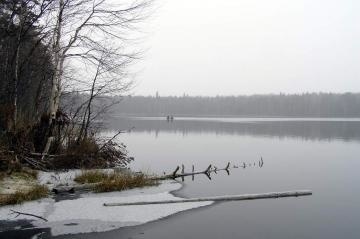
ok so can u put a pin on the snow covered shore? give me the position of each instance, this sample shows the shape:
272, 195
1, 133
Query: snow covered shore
87, 213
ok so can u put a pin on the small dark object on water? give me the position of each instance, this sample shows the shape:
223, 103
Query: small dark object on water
170, 118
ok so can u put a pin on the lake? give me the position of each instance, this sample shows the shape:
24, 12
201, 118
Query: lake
266, 155
321, 155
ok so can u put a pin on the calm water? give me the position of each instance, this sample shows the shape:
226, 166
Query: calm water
316, 154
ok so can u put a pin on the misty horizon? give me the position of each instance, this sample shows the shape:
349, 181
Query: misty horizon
158, 94
250, 47
281, 105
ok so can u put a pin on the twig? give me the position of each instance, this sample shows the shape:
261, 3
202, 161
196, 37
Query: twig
116, 135
26, 214
34, 163
227, 166
175, 171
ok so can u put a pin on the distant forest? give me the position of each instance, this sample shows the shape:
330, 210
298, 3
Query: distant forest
281, 105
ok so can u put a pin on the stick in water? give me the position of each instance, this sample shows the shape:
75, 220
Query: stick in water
221, 198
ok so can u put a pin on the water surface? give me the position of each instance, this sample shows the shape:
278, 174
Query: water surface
316, 154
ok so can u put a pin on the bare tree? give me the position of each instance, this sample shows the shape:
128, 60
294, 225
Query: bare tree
92, 35
103, 85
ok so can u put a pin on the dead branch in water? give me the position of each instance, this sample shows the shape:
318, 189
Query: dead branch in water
207, 172
210, 169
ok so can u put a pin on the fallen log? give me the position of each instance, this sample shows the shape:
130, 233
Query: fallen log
85, 187
221, 198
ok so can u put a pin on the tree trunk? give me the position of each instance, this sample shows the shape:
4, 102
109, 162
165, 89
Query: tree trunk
16, 81
57, 77
16, 70
58, 63
87, 114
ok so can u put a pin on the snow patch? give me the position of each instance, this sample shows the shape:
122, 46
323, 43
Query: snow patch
87, 213
52, 179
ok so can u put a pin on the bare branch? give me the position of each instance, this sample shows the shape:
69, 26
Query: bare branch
17, 213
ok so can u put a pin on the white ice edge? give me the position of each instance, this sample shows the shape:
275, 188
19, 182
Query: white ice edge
87, 213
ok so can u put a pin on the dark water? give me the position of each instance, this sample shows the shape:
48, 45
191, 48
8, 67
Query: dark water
320, 155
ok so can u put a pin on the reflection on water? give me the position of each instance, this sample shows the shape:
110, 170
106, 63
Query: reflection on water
210, 170
320, 155
316, 154
316, 129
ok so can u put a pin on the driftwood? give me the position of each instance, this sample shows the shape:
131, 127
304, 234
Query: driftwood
206, 172
174, 175
33, 162
27, 214
210, 169
36, 160
221, 198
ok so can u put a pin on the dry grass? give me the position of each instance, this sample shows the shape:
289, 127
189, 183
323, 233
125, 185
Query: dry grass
108, 182
91, 176
2, 175
122, 182
25, 173
36, 192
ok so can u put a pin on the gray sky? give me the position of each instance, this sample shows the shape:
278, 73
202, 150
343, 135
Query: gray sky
232, 47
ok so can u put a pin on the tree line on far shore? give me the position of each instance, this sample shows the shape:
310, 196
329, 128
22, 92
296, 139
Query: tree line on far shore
271, 105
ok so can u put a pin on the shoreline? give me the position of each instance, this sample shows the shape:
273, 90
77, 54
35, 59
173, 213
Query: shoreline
72, 216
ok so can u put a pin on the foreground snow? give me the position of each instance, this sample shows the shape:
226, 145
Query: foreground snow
87, 213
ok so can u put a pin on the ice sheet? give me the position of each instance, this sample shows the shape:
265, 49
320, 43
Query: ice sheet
87, 213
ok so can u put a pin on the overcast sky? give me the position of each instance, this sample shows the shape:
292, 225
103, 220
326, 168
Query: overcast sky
232, 47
